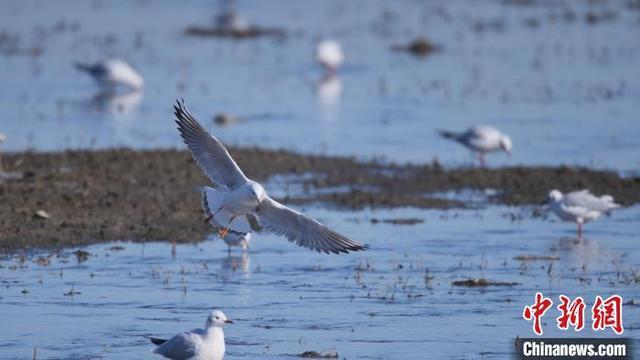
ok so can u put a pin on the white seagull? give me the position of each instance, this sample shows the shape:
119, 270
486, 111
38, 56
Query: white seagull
246, 201
197, 344
580, 206
481, 140
232, 22
329, 55
114, 72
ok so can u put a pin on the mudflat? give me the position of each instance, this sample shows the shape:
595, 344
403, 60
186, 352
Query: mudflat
80, 197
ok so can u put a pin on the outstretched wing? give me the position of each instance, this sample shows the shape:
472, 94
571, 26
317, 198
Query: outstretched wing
302, 230
212, 157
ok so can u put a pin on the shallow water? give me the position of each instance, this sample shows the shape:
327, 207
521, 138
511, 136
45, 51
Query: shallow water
566, 90
394, 301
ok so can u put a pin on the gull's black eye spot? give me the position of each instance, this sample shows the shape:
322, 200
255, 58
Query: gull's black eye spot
217, 318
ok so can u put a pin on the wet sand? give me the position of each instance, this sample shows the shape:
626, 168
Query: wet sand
97, 196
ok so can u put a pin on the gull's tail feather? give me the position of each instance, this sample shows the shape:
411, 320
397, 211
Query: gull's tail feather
449, 134
157, 341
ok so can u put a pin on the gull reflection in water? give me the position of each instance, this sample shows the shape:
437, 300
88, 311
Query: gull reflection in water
116, 103
328, 91
584, 255
237, 262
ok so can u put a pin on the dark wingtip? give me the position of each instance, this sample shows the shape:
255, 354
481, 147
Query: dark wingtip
81, 66
446, 134
157, 341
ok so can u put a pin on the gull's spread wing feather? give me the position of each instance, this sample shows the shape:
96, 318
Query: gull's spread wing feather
212, 157
303, 230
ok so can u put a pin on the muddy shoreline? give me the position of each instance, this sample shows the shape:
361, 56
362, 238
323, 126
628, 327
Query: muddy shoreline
122, 194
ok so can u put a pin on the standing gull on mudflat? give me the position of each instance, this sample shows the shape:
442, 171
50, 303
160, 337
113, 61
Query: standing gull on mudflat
197, 344
481, 140
580, 206
245, 202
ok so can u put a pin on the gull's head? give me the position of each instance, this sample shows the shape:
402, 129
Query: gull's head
257, 191
218, 319
506, 144
554, 196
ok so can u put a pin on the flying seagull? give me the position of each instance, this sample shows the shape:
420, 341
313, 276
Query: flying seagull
207, 343
481, 140
246, 201
580, 206
329, 55
113, 72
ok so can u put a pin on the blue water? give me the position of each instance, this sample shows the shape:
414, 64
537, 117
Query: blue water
566, 91
286, 300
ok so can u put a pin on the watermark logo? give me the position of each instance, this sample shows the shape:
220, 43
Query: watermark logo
605, 313
536, 311
572, 313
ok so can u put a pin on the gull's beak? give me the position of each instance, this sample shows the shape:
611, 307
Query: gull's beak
228, 322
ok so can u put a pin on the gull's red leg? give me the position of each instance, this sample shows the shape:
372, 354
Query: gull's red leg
224, 231
214, 213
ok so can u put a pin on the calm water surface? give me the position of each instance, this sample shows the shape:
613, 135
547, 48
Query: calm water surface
393, 301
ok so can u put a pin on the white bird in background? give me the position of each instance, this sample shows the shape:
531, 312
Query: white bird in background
580, 206
329, 55
481, 140
197, 344
232, 22
111, 73
246, 201
233, 237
